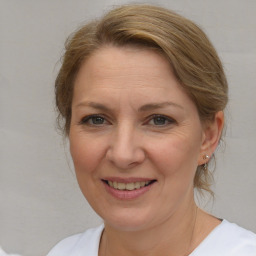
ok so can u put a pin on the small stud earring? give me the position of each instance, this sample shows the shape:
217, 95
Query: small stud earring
206, 157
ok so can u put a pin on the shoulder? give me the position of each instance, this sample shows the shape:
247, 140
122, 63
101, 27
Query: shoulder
228, 239
86, 243
3, 253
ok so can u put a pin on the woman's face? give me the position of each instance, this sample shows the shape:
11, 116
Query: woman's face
135, 138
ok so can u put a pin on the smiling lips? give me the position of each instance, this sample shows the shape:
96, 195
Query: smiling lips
127, 190
128, 186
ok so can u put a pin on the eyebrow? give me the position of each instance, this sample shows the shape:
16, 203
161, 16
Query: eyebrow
93, 105
144, 108
153, 106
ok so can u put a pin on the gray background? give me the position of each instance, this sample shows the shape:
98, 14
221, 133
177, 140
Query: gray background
39, 197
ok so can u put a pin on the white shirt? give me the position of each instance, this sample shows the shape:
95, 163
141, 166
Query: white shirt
227, 239
3, 253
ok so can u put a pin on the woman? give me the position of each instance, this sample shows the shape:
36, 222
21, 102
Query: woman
142, 94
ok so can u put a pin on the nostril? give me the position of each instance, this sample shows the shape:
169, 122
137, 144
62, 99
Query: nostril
125, 157
124, 160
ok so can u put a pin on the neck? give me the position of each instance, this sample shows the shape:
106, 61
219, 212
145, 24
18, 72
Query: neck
172, 237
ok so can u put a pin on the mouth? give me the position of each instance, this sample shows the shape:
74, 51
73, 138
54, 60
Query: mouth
128, 186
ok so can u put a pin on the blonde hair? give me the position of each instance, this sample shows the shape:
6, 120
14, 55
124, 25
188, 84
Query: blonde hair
194, 60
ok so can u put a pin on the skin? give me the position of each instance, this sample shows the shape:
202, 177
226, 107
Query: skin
125, 88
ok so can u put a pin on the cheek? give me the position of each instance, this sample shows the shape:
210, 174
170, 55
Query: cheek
176, 155
86, 153
176, 162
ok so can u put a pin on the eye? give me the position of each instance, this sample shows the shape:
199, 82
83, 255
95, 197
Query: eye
160, 120
95, 120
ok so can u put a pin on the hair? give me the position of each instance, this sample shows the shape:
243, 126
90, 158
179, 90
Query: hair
191, 55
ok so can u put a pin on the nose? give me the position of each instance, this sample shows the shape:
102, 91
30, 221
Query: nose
125, 150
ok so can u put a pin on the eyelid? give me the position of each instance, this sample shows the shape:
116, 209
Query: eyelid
84, 120
169, 119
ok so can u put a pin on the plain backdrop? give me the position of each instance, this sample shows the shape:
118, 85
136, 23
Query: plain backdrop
39, 197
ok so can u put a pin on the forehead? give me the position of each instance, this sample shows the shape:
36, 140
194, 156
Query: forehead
119, 64
127, 72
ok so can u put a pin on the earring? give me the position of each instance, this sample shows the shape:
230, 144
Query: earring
206, 157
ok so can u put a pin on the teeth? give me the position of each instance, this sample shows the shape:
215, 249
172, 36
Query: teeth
115, 184
128, 186
121, 186
143, 183
137, 185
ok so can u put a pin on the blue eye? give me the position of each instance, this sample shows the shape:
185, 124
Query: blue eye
93, 120
97, 120
160, 120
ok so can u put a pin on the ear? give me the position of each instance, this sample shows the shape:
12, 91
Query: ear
211, 135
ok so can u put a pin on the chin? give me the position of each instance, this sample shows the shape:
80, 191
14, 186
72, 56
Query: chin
128, 220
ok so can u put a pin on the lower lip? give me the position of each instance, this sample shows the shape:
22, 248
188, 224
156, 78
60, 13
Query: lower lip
127, 194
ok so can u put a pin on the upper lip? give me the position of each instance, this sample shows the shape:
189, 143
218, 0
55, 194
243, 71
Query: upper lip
127, 180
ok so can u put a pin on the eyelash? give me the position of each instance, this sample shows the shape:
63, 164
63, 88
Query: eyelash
164, 118
87, 119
